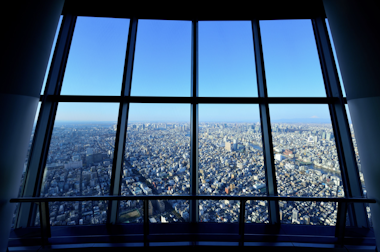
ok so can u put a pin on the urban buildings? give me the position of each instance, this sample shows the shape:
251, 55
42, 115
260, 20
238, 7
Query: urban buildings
77, 162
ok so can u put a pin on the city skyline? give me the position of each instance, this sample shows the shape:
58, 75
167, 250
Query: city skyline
181, 112
156, 157
156, 161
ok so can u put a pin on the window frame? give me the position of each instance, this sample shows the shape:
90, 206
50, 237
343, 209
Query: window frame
334, 99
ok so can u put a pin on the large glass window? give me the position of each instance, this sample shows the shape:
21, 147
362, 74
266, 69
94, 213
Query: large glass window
168, 133
162, 64
226, 59
96, 60
291, 59
306, 160
79, 162
230, 158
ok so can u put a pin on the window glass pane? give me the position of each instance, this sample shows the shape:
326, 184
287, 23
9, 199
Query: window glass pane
291, 59
51, 54
168, 211
230, 153
79, 161
96, 59
219, 211
131, 211
25, 164
335, 58
308, 212
162, 64
305, 154
226, 59
72, 213
256, 211
361, 176
157, 156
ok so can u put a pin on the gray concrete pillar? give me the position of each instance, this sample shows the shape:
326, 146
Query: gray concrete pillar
355, 28
28, 29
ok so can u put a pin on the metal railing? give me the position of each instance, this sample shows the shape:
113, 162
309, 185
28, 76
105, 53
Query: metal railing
45, 215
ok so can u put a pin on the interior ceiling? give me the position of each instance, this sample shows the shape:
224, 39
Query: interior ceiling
267, 9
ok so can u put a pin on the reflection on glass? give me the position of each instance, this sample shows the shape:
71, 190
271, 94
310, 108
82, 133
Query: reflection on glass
221, 211
226, 59
17, 205
335, 58
355, 147
97, 54
157, 157
308, 212
256, 211
131, 211
162, 63
291, 59
230, 152
361, 176
79, 162
168, 211
76, 213
305, 154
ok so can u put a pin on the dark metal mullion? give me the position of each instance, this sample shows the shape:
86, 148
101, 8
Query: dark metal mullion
45, 124
194, 124
270, 171
346, 153
122, 124
187, 100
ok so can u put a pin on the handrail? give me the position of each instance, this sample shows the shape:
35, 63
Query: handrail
190, 197
45, 219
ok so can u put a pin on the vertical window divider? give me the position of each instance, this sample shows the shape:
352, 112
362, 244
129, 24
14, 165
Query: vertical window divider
345, 150
270, 171
45, 123
194, 124
122, 123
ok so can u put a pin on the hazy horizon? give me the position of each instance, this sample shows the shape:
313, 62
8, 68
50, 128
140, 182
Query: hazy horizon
162, 67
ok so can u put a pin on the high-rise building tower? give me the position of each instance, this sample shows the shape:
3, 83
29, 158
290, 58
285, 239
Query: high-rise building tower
228, 146
294, 215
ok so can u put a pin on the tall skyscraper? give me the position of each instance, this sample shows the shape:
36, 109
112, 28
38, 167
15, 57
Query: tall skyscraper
294, 215
228, 146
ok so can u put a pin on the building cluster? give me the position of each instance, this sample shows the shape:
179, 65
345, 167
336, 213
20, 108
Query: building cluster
231, 163
157, 161
79, 163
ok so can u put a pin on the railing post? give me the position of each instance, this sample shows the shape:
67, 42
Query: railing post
45, 223
341, 221
146, 222
242, 221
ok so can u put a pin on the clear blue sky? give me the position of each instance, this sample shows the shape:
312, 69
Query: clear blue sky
162, 67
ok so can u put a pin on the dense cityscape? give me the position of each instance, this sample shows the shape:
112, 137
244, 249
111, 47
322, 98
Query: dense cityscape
157, 161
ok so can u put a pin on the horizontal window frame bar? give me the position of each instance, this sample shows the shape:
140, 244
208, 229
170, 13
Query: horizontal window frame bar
193, 100
189, 197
